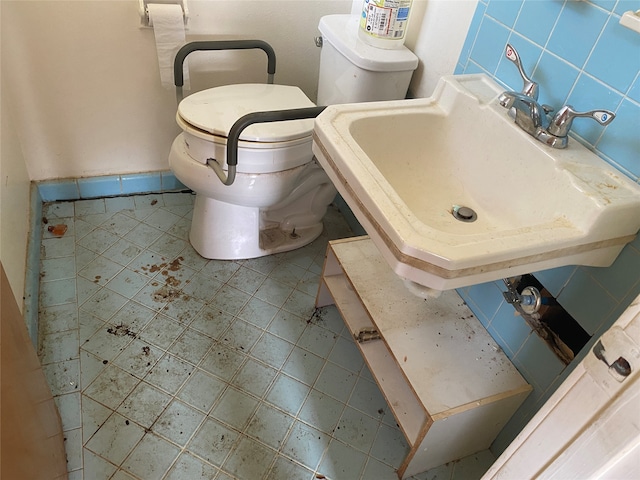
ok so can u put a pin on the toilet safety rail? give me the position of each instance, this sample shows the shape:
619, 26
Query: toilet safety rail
206, 45
247, 120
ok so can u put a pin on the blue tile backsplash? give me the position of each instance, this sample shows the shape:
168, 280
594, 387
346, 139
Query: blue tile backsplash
108, 186
94, 187
578, 52
581, 55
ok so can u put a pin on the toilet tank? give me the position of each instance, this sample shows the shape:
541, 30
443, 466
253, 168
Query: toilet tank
352, 71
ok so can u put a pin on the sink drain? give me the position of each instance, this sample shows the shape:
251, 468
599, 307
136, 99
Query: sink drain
464, 214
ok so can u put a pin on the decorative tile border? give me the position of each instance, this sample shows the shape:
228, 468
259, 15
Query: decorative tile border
108, 186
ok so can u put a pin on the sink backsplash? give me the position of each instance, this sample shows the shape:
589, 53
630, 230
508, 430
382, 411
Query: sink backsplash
580, 55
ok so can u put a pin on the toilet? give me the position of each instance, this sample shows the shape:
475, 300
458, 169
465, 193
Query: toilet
280, 193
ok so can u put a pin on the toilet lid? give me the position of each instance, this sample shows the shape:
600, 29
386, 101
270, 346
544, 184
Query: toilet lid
216, 110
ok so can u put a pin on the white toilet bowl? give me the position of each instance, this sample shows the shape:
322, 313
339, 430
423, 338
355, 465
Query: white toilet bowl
280, 193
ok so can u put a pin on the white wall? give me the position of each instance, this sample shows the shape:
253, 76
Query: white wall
436, 34
14, 201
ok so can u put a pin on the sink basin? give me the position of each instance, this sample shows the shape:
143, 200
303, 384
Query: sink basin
406, 168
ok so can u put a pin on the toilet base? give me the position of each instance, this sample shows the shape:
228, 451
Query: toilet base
224, 231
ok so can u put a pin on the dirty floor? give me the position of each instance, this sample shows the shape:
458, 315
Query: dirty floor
167, 366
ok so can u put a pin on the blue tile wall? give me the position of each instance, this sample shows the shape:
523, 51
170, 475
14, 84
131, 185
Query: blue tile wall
141, 183
95, 187
169, 182
108, 186
53, 190
578, 52
580, 55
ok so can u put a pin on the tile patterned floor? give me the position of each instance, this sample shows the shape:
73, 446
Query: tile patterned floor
167, 366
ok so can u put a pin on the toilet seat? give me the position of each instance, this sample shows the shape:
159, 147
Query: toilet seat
206, 117
210, 114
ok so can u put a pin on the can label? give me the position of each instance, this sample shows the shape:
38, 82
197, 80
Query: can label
385, 18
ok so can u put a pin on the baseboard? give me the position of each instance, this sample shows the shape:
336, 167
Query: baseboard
32, 274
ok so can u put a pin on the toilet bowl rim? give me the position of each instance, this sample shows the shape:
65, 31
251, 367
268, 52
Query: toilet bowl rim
254, 165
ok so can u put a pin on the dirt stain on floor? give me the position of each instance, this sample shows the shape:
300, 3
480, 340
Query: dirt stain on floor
170, 279
165, 294
122, 330
175, 265
317, 316
57, 230
169, 291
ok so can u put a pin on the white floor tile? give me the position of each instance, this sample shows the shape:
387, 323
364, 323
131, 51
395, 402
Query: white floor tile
270, 426
111, 387
211, 322
255, 378
201, 390
188, 466
321, 411
287, 394
58, 318
178, 422
306, 444
303, 365
249, 460
115, 439
144, 404
94, 415
342, 461
151, 446
271, 350
357, 429
223, 361
336, 382
234, 408
69, 409
96, 467
170, 373
191, 346
213, 442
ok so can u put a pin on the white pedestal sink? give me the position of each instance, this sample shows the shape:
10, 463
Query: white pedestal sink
405, 167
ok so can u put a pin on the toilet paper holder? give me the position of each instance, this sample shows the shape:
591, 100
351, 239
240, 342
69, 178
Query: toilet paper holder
145, 19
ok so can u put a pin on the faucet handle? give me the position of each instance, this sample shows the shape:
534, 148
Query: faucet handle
561, 122
529, 88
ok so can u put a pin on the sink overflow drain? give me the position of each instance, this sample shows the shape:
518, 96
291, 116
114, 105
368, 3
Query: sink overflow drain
464, 214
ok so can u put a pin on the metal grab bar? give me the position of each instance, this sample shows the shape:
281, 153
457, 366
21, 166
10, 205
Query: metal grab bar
247, 120
178, 76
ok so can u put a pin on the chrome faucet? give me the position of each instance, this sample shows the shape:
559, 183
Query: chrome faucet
533, 118
529, 114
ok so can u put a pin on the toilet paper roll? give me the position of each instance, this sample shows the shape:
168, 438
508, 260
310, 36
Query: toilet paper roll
168, 28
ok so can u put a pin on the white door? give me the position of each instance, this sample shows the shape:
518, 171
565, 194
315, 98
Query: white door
590, 427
